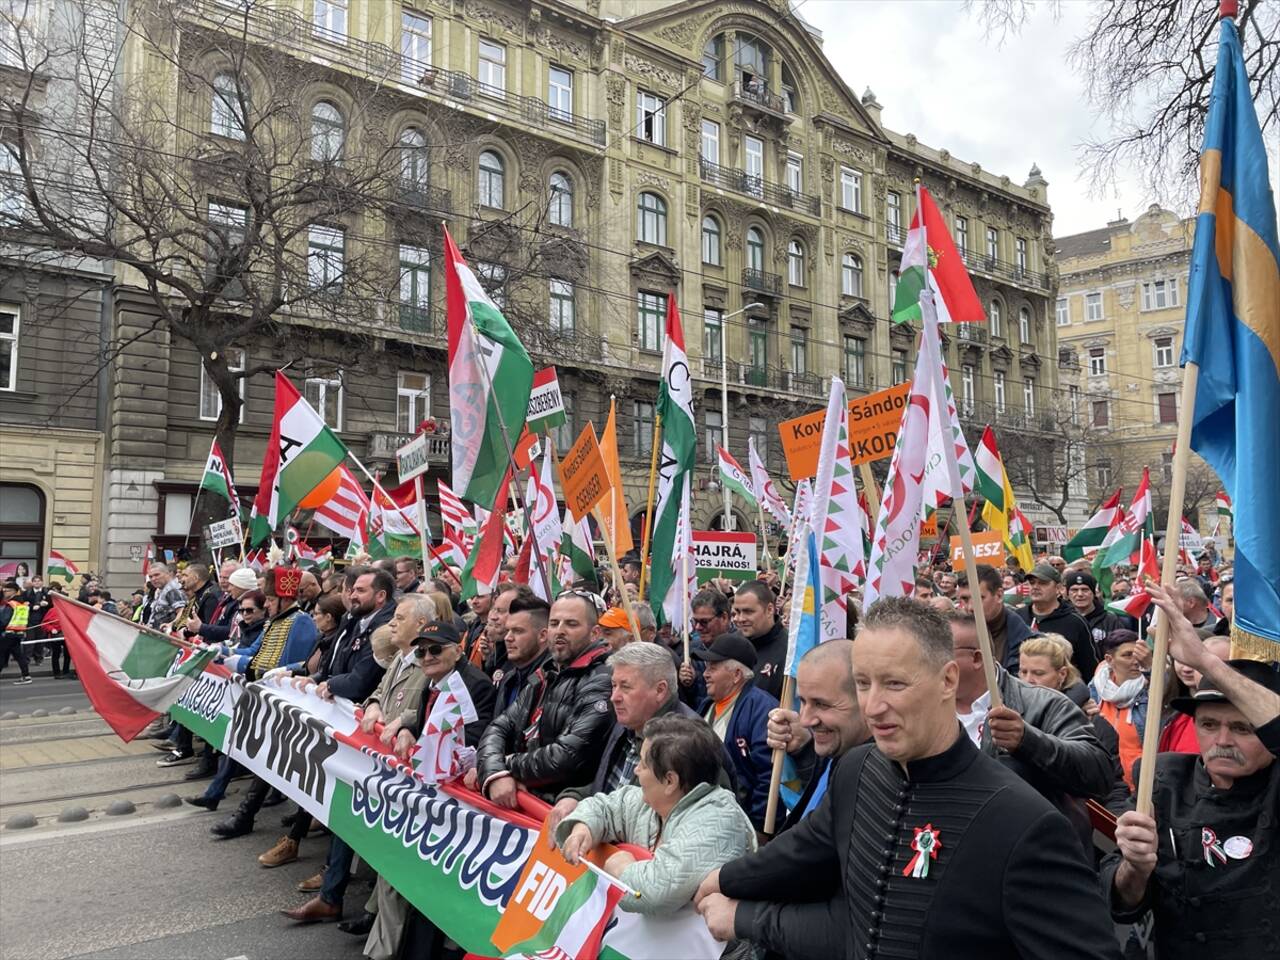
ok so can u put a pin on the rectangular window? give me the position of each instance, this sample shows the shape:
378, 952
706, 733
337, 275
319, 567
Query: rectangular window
413, 400
713, 58
855, 361
1101, 413
560, 93
651, 118
642, 418
227, 223
1166, 466
1020, 255
1164, 351
993, 245
758, 430
893, 216
795, 173
966, 388
1160, 294
1167, 407
325, 395
1102, 474
210, 399
898, 365
326, 254
1029, 397
651, 315
1073, 403
850, 190
415, 287
1097, 361
998, 379
799, 349
962, 235
1024, 325
1062, 311
10, 321
493, 277
562, 306
715, 434
712, 331
711, 141
1092, 306
567, 432
329, 20
415, 46
493, 68
753, 164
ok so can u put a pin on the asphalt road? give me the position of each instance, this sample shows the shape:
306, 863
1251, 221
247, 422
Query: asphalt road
160, 888
43, 692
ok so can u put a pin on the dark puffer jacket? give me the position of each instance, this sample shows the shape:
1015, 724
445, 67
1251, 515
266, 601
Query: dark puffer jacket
552, 736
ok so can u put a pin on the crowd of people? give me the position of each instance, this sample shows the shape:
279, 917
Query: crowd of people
919, 816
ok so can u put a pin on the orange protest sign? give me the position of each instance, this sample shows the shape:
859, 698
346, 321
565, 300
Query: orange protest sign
930, 527
526, 449
583, 476
874, 421
988, 547
545, 878
873, 430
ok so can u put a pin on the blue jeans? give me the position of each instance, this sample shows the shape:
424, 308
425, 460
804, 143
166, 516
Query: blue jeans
227, 768
337, 872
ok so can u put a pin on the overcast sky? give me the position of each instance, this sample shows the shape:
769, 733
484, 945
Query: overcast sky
938, 76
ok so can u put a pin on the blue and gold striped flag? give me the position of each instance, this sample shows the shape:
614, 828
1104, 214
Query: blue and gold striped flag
1233, 335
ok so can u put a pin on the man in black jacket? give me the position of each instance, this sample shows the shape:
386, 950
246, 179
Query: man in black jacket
755, 614
1049, 613
1082, 592
351, 671
552, 736
974, 864
526, 645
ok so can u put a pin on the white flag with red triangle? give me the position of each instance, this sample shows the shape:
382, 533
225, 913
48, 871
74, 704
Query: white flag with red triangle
440, 754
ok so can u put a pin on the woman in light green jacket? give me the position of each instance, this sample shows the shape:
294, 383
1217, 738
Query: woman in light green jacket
691, 825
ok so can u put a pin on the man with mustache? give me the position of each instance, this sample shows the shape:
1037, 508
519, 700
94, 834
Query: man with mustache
1207, 864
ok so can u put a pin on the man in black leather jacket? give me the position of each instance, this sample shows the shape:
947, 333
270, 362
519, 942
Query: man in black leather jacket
552, 736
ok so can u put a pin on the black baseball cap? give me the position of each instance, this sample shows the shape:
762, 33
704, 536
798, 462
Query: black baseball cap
730, 645
438, 631
1260, 673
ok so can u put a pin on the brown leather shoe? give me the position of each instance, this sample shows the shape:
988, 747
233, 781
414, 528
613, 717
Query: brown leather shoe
285, 851
312, 884
314, 910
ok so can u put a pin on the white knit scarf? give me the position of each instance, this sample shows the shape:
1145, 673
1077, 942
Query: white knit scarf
1120, 694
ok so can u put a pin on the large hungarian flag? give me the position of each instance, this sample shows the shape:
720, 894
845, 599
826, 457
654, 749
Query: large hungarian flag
1091, 536
929, 257
131, 673
301, 452
490, 378
675, 459
217, 477
1135, 527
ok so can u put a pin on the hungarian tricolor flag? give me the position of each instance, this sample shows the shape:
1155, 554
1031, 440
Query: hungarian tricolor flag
1134, 605
1001, 512
480, 575
733, 477
1223, 503
217, 477
490, 378
59, 566
1091, 536
301, 452
577, 560
131, 673
1136, 527
929, 257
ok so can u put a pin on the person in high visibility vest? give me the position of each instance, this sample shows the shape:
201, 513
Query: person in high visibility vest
14, 614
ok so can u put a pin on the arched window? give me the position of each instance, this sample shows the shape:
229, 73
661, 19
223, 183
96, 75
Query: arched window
755, 249
227, 116
651, 219
711, 241
328, 132
795, 263
491, 184
997, 321
414, 169
788, 91
851, 275
560, 211
1024, 325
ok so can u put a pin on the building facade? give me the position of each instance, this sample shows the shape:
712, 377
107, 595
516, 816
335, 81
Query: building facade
592, 158
1119, 315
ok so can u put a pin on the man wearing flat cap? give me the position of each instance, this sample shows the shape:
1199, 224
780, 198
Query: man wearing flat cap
738, 712
1206, 864
1049, 613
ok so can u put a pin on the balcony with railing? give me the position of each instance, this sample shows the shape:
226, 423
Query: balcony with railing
1004, 270
971, 333
738, 181
754, 92
760, 281
762, 377
285, 30
423, 198
383, 444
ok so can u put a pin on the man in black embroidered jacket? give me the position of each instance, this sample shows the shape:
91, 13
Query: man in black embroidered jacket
923, 847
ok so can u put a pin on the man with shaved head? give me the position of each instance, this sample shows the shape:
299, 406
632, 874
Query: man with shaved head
827, 726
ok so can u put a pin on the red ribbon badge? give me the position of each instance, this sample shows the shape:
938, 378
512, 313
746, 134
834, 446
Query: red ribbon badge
926, 844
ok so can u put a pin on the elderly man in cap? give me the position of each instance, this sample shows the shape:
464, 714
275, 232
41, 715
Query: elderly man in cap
1082, 593
1207, 864
738, 712
615, 628
1049, 613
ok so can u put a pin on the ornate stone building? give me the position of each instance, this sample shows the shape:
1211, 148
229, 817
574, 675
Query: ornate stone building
592, 158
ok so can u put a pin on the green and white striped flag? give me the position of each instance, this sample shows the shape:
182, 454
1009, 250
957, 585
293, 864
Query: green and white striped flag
732, 476
217, 477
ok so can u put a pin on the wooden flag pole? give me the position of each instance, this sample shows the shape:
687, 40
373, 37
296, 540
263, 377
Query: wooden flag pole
1172, 530
617, 575
685, 612
648, 509
422, 525
779, 757
763, 533
871, 490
